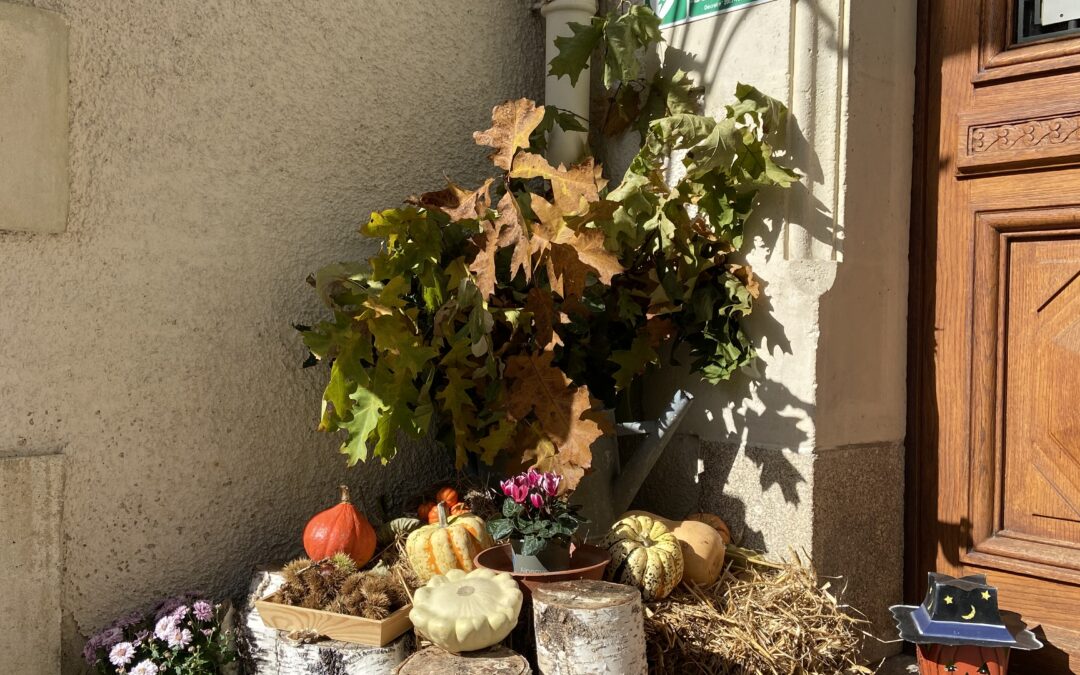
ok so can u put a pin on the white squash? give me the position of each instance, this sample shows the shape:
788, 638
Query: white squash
464, 612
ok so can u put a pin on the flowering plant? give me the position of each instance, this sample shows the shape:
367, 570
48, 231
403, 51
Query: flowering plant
182, 636
535, 512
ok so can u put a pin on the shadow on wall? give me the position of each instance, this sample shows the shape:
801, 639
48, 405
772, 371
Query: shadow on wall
750, 417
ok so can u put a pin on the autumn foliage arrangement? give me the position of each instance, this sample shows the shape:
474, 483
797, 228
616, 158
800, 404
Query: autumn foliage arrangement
509, 315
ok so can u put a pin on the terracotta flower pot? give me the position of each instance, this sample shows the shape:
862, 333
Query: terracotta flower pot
963, 660
586, 562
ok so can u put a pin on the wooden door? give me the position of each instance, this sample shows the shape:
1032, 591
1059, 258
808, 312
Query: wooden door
994, 359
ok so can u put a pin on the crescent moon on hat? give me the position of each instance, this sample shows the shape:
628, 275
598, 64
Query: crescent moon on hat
970, 615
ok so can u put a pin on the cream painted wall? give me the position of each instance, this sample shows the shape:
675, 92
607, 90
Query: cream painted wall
807, 453
221, 151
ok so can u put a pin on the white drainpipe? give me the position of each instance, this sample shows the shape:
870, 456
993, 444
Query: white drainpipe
566, 147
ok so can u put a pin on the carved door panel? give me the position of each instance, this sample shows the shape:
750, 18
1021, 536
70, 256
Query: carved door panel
994, 431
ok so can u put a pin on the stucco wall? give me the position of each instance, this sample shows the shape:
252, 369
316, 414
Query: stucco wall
219, 152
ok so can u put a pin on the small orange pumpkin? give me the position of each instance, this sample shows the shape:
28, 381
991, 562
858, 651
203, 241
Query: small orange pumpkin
340, 529
963, 660
455, 510
423, 512
448, 495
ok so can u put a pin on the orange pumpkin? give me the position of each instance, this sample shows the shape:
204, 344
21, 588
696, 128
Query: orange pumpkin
423, 512
962, 660
340, 529
455, 510
448, 495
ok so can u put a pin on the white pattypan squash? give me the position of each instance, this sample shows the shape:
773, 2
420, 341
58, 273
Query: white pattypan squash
464, 612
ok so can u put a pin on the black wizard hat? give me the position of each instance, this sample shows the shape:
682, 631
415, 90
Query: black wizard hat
962, 612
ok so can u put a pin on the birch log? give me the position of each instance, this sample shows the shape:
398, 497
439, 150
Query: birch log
585, 627
497, 660
267, 651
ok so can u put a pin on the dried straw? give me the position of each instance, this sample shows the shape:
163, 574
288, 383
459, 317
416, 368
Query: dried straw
760, 618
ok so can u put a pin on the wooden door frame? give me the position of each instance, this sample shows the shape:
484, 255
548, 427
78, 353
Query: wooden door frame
918, 471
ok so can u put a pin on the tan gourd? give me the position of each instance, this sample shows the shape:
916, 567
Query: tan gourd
645, 554
716, 522
447, 545
702, 547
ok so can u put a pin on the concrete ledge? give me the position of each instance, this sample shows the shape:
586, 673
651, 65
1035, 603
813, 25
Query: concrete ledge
31, 498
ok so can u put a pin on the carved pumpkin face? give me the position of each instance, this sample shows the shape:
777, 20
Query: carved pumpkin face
963, 660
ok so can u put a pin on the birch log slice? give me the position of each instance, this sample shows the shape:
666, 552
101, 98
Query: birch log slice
496, 660
267, 651
587, 626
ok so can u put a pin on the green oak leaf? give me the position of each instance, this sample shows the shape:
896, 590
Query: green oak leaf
366, 415
632, 362
575, 51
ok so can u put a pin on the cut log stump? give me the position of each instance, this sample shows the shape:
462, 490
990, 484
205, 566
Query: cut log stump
494, 661
587, 627
267, 651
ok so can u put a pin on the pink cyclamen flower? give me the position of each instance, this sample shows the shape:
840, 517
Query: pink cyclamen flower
533, 477
121, 654
180, 639
519, 491
537, 500
145, 667
550, 483
203, 610
165, 627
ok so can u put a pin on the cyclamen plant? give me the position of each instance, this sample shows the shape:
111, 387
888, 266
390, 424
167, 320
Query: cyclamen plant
534, 511
182, 636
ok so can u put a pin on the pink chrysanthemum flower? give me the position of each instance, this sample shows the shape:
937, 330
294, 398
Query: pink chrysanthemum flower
121, 654
203, 610
165, 627
180, 639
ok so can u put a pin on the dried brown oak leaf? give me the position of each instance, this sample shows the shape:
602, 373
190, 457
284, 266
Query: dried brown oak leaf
570, 253
573, 189
564, 415
458, 202
508, 229
512, 122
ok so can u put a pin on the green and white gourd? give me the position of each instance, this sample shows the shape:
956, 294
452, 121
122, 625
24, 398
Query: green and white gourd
467, 611
644, 554
391, 531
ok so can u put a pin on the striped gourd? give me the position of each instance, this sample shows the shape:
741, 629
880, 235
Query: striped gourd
447, 545
645, 554
390, 531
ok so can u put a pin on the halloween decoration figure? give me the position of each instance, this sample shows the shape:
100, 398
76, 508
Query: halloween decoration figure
959, 629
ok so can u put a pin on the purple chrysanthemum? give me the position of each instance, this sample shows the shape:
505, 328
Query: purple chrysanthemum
128, 620
203, 610
121, 654
89, 652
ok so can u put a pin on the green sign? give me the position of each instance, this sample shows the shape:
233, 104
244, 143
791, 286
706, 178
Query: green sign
675, 12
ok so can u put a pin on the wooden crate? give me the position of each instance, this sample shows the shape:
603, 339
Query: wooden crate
341, 627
